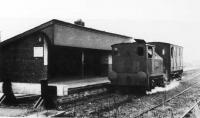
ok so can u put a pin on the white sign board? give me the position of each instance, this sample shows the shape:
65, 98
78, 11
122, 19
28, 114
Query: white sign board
110, 59
38, 52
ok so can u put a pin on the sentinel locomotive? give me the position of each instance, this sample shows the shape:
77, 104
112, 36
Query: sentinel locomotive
145, 65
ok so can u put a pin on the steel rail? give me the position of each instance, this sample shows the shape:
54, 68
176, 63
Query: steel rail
194, 76
167, 99
190, 109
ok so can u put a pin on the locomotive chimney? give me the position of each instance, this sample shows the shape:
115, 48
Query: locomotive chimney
0, 36
79, 22
140, 40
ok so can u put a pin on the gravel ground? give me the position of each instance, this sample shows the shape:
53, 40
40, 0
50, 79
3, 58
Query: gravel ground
106, 107
178, 106
146, 102
11, 112
124, 106
24, 108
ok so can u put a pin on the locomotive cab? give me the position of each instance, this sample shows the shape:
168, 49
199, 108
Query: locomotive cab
154, 68
136, 65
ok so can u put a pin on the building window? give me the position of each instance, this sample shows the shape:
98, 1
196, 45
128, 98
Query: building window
140, 51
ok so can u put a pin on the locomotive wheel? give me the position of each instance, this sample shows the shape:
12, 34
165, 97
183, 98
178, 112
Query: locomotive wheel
111, 88
157, 82
161, 82
180, 77
152, 84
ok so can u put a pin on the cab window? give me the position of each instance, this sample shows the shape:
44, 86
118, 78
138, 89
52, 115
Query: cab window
140, 51
150, 52
116, 52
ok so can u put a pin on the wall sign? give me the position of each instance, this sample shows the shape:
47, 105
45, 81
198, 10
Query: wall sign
110, 59
37, 51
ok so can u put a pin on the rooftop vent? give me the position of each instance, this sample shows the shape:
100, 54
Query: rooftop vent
79, 22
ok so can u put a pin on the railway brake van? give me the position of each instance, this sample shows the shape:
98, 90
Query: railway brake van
172, 59
136, 65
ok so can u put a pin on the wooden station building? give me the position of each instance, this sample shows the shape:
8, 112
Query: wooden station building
57, 50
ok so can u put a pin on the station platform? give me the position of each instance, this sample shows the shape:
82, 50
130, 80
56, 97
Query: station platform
63, 86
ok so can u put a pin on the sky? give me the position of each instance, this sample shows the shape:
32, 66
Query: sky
173, 21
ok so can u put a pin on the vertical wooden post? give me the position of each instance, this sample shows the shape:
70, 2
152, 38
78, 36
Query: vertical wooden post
10, 98
44, 85
49, 95
82, 64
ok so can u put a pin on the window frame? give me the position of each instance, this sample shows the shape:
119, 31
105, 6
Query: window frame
151, 52
140, 51
172, 52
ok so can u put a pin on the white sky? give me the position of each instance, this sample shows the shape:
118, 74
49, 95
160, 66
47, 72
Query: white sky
174, 21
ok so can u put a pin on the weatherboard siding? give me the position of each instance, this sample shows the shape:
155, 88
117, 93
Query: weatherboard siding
19, 64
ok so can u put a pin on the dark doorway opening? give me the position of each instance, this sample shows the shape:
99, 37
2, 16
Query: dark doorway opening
77, 63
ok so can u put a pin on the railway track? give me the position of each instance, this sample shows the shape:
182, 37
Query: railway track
192, 76
104, 103
138, 100
188, 113
129, 100
99, 101
169, 99
73, 104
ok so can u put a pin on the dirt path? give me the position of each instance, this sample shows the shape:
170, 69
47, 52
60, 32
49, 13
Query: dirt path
12, 112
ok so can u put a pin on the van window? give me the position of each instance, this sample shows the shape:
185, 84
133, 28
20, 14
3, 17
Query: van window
172, 51
150, 52
163, 51
140, 51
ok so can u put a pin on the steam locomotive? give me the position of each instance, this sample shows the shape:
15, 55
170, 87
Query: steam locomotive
145, 65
